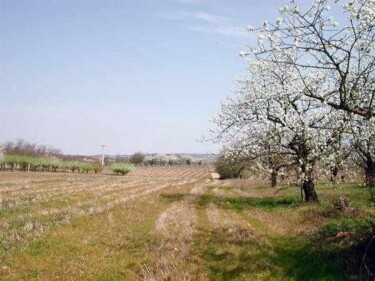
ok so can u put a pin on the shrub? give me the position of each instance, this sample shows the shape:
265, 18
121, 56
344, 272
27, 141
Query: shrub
121, 167
45, 163
97, 168
73, 166
11, 159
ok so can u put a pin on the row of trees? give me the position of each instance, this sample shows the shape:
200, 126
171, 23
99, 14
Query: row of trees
28, 156
308, 96
50, 164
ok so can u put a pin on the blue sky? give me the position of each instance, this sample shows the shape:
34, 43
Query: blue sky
140, 75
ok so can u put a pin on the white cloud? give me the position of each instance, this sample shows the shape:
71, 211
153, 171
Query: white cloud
186, 1
174, 16
237, 31
198, 16
208, 23
211, 18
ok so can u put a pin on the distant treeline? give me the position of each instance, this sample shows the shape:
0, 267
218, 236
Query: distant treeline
142, 159
26, 156
21, 147
25, 148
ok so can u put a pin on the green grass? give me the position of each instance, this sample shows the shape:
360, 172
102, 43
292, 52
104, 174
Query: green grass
259, 233
310, 254
287, 258
106, 251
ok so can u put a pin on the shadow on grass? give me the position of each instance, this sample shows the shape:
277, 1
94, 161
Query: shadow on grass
235, 203
288, 258
240, 203
170, 198
267, 257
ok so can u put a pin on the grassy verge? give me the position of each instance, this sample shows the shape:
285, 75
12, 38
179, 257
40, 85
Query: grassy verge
107, 246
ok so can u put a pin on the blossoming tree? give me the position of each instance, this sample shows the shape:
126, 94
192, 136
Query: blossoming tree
363, 140
343, 55
310, 77
273, 96
259, 151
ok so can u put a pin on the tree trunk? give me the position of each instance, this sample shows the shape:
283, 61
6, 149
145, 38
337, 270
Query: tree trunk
370, 173
274, 178
309, 190
334, 173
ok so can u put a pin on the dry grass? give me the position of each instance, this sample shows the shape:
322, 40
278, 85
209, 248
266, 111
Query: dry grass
170, 250
228, 223
100, 198
103, 227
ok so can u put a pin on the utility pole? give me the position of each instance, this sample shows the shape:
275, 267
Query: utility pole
103, 145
